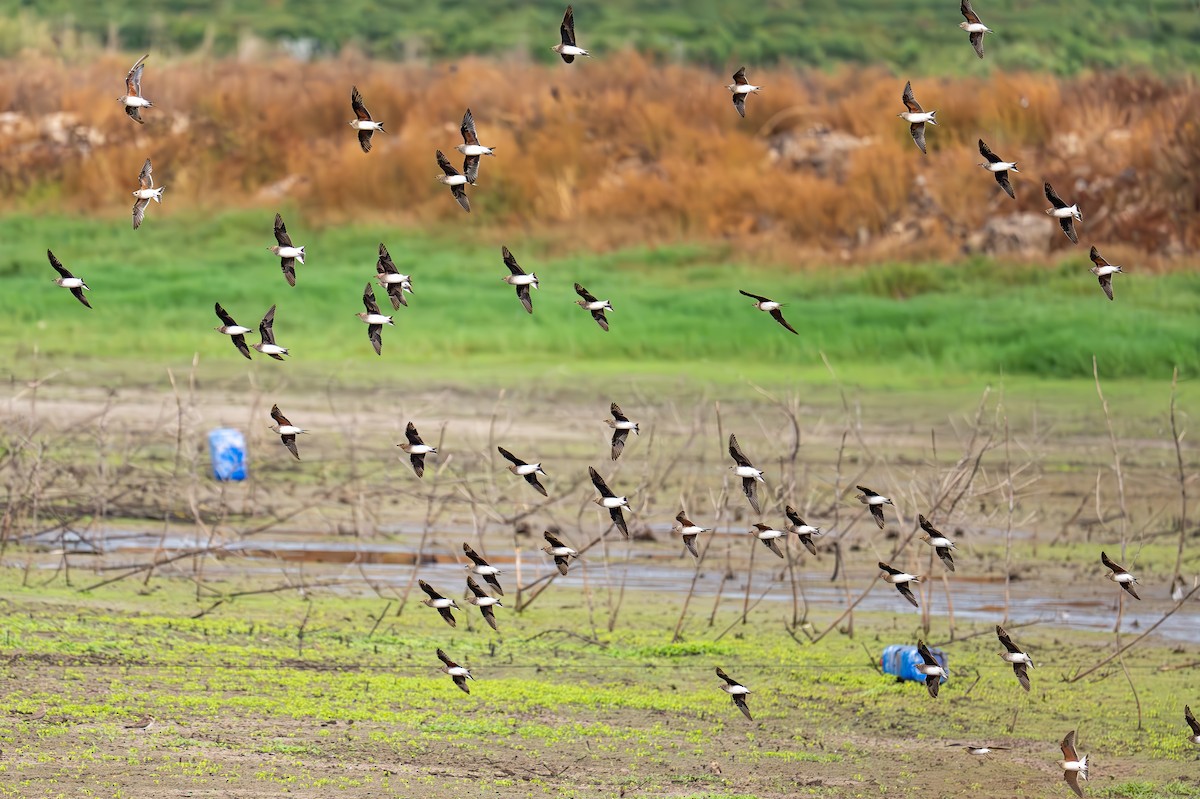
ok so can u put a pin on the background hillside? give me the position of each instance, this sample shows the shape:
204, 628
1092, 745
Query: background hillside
917, 36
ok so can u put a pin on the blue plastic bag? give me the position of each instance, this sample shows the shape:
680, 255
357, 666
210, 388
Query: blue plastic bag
227, 449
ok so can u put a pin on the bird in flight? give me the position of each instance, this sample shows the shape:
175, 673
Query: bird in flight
688, 530
974, 27
485, 603
610, 501
438, 602
999, 168
286, 430
68, 280
597, 307
390, 278
266, 333
236, 332
568, 49
1065, 214
932, 670
737, 692
133, 100
1103, 271
456, 672
416, 449
145, 193
373, 319
455, 180
900, 580
288, 254
529, 471
874, 503
484, 569
939, 542
471, 148
621, 426
1021, 662
916, 117
362, 121
740, 88
561, 553
1072, 764
518, 279
771, 307
1119, 576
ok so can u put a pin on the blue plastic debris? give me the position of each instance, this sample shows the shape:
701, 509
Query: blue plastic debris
902, 660
227, 449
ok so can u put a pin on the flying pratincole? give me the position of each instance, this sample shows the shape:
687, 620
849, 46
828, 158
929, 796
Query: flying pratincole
1103, 271
916, 117
930, 668
529, 471
484, 569
1065, 214
144, 723
438, 602
1020, 661
999, 168
740, 88
133, 100
456, 672
561, 553
288, 255
1119, 576
266, 333
145, 193
974, 27
416, 449
373, 319
940, 543
688, 530
744, 469
610, 501
621, 426
286, 430
803, 531
568, 49
874, 503
1072, 764
901, 580
771, 307
236, 333
597, 307
390, 278
471, 148
454, 179
68, 281
769, 537
484, 602
980, 750
518, 279
1195, 725
737, 692
362, 121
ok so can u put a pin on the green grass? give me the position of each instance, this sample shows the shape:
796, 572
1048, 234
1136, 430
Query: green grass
678, 313
914, 36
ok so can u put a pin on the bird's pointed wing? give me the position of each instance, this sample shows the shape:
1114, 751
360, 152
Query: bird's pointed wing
369, 300
1072, 778
1132, 591
772, 545
375, 334
57, 264
133, 80
928, 527
969, 12
461, 680
146, 176
618, 442
910, 100
1097, 258
139, 212
977, 43
417, 461
1191, 720
288, 267
689, 541
78, 292
888, 568
1107, 561
599, 483
491, 580
758, 297
1022, 674
1106, 284
511, 262
552, 539
917, 131
279, 418
1005, 640
524, 296
740, 701
533, 481
475, 589
736, 453
448, 616
615, 410
471, 168
445, 164
926, 655
907, 593
582, 292
289, 441
511, 457
777, 315
428, 589
739, 77
793, 516
618, 519
721, 673
932, 683
356, 102
410, 432
567, 29
468, 129
1068, 747
601, 319
808, 543
239, 341
460, 194
563, 564
1053, 197
987, 153
266, 326
385, 264
223, 315
135, 113
739, 102
472, 554
489, 615
445, 659
877, 513
1005, 183
281, 234
364, 140
1068, 226
750, 489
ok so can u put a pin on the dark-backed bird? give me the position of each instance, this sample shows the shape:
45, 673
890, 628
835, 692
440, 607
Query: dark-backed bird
1072, 764
929, 667
1103, 271
999, 168
439, 603
740, 89
145, 193
455, 180
769, 537
610, 501
288, 254
744, 469
561, 553
805, 532
484, 602
621, 426
593, 305
416, 449
471, 148
1191, 721
484, 569
266, 334
373, 319
237, 333
974, 27
568, 49
456, 672
901, 580
390, 278
916, 117
1020, 661
688, 530
1119, 576
518, 279
769, 306
1065, 214
286, 430
133, 100
362, 121
874, 503
68, 280
529, 471
737, 692
940, 543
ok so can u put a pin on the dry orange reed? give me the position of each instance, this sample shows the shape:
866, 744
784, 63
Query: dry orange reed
619, 150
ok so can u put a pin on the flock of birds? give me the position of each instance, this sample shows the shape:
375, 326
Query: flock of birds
396, 285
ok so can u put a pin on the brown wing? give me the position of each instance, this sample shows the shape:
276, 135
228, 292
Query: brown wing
777, 315
910, 100
133, 80
281, 234
1068, 747
750, 489
582, 292
278, 416
618, 519
145, 177
78, 293
736, 453
489, 615
552, 540
511, 457
932, 683
449, 617
599, 483
533, 481
135, 114
1005, 641
471, 553
1109, 563
410, 432
977, 43
356, 102
739, 77
987, 153
375, 334
1072, 778
266, 326
1022, 673
385, 263
369, 300
928, 527
739, 102
445, 164
1053, 197
460, 194
467, 129
475, 589
139, 212
1097, 258
877, 513
758, 297
740, 701
907, 593
491, 580
618, 442
364, 140
1191, 720
511, 262
601, 319
471, 168
57, 264
289, 441
1002, 179
917, 131
770, 543
926, 655
223, 315
1068, 226
442, 657
567, 29
524, 296
428, 589
969, 12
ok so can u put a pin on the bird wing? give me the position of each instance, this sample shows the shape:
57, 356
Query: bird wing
135, 113
78, 292
289, 441
410, 432
491, 580
808, 543
475, 589
460, 194
1022, 673
599, 483
601, 319
932, 683
265, 327
721, 673
511, 262
472, 554
750, 489
1191, 720
511, 457
907, 593
139, 212
133, 80
987, 153
977, 43
928, 527
689, 541
375, 334
926, 655
877, 512
369, 300
279, 418
736, 453
888, 568
1072, 778
552, 540
145, 177
793, 516
1068, 226
567, 29
385, 263
613, 408
281, 234
582, 292
468, 129
442, 657
524, 296
57, 264
947, 558
1005, 641
910, 100
739, 77
288, 266
618, 442
1097, 258
1106, 284
445, 164
471, 168
533, 481
969, 12
917, 131
223, 315
364, 140
1132, 592
758, 297
739, 102
1054, 199
1068, 747
448, 616
771, 544
777, 315
1005, 183
740, 701
356, 102
1109, 563
618, 519
428, 589
489, 615
239, 341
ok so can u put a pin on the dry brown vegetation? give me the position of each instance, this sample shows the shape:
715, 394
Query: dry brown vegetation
618, 150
